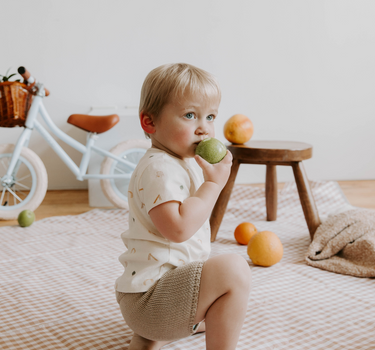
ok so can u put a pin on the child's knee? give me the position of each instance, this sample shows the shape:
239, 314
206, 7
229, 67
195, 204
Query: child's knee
239, 270
244, 271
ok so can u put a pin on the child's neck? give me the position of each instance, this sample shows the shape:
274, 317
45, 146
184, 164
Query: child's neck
158, 145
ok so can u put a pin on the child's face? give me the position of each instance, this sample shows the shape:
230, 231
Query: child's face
183, 123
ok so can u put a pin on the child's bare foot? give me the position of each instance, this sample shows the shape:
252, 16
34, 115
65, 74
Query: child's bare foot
140, 343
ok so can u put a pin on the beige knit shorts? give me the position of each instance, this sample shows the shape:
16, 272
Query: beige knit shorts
167, 310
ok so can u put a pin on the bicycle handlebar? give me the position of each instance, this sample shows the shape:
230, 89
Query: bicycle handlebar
30, 79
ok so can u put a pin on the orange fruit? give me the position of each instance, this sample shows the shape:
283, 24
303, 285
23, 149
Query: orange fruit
265, 249
244, 232
238, 129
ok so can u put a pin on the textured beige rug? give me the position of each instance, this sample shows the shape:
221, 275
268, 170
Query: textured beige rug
57, 277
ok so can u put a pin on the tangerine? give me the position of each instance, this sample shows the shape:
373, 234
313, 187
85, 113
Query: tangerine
244, 232
265, 249
238, 129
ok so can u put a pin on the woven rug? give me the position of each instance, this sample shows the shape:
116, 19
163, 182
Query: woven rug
57, 277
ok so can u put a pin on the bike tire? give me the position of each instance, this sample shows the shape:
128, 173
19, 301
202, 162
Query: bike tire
116, 191
33, 167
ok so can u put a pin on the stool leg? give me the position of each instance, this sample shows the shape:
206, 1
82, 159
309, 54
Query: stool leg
306, 198
222, 202
271, 192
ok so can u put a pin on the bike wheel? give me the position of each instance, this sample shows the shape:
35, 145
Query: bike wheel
116, 190
27, 186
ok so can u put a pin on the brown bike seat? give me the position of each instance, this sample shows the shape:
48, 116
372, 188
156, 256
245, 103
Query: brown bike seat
91, 123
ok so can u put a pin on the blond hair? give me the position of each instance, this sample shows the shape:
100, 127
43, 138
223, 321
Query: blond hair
171, 81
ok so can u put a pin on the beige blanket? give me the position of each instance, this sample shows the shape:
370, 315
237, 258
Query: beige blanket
345, 243
57, 282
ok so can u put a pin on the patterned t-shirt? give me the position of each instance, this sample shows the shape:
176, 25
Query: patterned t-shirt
158, 178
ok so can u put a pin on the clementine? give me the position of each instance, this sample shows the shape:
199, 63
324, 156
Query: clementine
238, 129
265, 249
244, 232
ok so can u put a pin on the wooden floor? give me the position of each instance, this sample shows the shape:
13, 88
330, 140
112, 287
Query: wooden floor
74, 202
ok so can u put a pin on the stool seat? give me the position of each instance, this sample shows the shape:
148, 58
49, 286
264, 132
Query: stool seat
271, 154
272, 151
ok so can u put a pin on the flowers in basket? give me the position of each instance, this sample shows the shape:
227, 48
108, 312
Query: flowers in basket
6, 77
15, 101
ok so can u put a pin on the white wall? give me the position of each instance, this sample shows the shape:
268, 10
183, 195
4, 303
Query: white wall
300, 70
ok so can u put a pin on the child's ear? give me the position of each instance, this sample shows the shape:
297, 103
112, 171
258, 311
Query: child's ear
147, 123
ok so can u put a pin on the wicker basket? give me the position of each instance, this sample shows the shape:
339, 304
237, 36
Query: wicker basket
15, 101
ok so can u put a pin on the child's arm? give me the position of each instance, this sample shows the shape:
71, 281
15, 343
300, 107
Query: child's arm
179, 221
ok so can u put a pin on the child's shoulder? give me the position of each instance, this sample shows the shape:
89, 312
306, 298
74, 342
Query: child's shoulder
155, 156
156, 159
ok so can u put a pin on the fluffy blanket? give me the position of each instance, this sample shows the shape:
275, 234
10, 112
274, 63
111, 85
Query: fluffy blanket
345, 243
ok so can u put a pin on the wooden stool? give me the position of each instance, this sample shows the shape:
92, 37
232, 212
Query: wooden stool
270, 153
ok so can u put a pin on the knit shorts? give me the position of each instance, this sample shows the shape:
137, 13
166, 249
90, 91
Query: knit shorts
167, 310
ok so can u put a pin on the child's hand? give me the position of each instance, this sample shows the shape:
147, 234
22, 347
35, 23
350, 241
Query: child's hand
217, 173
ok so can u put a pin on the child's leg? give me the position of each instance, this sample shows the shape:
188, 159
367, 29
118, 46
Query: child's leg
223, 298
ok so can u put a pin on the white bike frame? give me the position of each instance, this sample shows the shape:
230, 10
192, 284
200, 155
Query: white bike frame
37, 107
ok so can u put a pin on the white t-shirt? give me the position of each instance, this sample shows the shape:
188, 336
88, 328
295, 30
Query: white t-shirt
158, 178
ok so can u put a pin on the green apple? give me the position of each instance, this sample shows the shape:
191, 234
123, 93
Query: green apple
212, 150
26, 218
